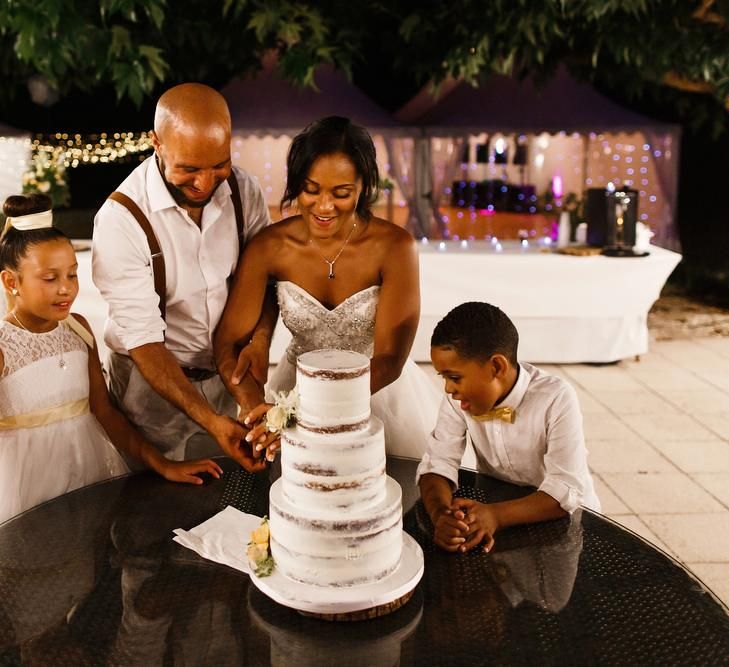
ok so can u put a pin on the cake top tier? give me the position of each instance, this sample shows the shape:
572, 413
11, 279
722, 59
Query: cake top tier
333, 364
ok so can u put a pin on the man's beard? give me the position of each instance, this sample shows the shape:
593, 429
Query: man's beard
178, 194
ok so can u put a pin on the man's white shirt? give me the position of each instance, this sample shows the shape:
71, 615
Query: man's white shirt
199, 262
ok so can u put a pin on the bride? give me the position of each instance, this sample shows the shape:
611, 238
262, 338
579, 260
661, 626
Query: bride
344, 279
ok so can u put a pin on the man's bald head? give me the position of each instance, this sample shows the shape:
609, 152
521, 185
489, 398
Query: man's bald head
192, 109
191, 140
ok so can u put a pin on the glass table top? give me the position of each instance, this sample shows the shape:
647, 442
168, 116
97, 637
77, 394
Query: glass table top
94, 578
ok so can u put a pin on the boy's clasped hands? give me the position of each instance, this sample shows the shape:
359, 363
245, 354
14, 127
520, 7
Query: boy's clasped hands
464, 525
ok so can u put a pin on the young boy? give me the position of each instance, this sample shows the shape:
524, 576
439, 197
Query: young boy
525, 425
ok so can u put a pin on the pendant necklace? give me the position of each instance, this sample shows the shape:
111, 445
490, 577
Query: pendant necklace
61, 361
330, 262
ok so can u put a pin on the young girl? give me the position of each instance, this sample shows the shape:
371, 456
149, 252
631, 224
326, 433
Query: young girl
53, 398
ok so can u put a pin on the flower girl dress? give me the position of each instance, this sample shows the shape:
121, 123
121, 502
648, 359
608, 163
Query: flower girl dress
50, 442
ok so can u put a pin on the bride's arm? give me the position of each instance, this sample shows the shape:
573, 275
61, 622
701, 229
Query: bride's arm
398, 310
240, 317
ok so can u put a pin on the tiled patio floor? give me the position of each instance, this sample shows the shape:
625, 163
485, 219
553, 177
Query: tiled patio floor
657, 431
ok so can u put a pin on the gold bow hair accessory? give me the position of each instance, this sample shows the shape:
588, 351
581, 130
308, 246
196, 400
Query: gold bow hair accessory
505, 414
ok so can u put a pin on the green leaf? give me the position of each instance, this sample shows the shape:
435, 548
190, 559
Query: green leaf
409, 25
263, 21
289, 33
120, 40
265, 567
156, 14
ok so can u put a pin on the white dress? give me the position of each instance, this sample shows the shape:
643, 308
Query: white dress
50, 443
408, 407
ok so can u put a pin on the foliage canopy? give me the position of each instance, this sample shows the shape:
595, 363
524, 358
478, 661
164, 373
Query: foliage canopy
140, 46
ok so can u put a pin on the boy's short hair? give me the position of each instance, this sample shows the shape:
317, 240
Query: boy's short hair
477, 330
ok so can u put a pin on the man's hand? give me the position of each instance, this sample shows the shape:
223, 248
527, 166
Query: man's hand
253, 359
481, 521
230, 435
450, 530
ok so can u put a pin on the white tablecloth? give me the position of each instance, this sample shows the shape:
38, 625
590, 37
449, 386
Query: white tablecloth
567, 309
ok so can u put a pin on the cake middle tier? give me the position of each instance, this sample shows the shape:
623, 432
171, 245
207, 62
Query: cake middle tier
331, 473
353, 548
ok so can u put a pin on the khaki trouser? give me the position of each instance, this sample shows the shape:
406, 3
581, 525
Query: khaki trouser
165, 426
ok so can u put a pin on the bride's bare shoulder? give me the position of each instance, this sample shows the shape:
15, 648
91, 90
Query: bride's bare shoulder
278, 231
391, 234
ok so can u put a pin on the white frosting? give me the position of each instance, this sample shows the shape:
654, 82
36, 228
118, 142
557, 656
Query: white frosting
335, 516
333, 403
350, 475
355, 548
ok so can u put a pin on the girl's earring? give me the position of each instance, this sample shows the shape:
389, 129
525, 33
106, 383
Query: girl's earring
14, 291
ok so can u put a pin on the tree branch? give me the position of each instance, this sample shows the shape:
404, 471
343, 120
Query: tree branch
680, 82
703, 14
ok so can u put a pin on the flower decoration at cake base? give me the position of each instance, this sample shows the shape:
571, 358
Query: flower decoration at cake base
259, 550
283, 412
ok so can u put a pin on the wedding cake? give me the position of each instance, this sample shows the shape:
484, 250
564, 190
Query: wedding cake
335, 515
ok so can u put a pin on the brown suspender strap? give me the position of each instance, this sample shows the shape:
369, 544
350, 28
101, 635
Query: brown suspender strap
237, 206
158, 260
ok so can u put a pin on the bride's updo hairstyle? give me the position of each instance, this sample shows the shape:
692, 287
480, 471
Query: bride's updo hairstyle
14, 243
327, 136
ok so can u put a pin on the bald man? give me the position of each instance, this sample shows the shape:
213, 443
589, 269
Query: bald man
165, 246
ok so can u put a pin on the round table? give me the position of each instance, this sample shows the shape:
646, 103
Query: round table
94, 578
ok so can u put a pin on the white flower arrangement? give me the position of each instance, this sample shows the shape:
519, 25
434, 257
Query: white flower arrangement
283, 413
47, 175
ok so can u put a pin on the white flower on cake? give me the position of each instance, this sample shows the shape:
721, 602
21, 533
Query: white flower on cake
283, 413
258, 551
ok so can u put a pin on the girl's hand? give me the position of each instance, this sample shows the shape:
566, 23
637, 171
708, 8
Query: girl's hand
262, 440
481, 521
187, 471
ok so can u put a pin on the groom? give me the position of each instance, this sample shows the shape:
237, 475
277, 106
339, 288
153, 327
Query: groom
165, 246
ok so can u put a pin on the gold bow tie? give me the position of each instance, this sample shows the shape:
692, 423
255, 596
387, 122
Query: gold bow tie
505, 414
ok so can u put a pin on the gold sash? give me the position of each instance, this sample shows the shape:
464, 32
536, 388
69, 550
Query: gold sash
43, 417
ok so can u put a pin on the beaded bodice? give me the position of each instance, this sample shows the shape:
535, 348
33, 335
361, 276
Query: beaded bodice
349, 326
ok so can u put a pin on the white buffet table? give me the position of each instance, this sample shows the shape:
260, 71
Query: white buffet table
567, 309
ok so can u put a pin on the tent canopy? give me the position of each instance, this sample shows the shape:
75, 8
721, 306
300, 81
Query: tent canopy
504, 104
266, 104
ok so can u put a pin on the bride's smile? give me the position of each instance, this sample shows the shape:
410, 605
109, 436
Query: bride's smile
328, 200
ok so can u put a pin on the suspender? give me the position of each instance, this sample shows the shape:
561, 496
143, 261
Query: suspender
158, 260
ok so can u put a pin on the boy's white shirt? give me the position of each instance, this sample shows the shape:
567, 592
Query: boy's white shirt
544, 447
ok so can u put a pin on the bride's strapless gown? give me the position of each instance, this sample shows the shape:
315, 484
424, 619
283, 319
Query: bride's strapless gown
408, 407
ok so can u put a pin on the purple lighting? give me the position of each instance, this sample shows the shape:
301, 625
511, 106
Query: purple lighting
557, 186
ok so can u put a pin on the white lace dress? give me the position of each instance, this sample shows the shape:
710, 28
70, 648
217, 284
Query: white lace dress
408, 407
50, 443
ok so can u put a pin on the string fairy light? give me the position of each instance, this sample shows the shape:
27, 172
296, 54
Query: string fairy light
72, 150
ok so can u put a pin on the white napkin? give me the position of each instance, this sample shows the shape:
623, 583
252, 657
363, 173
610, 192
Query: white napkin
223, 538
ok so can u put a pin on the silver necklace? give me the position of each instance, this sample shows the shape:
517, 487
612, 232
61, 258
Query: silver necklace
330, 262
61, 361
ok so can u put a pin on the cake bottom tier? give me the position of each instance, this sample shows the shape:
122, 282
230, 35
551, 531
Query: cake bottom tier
353, 549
